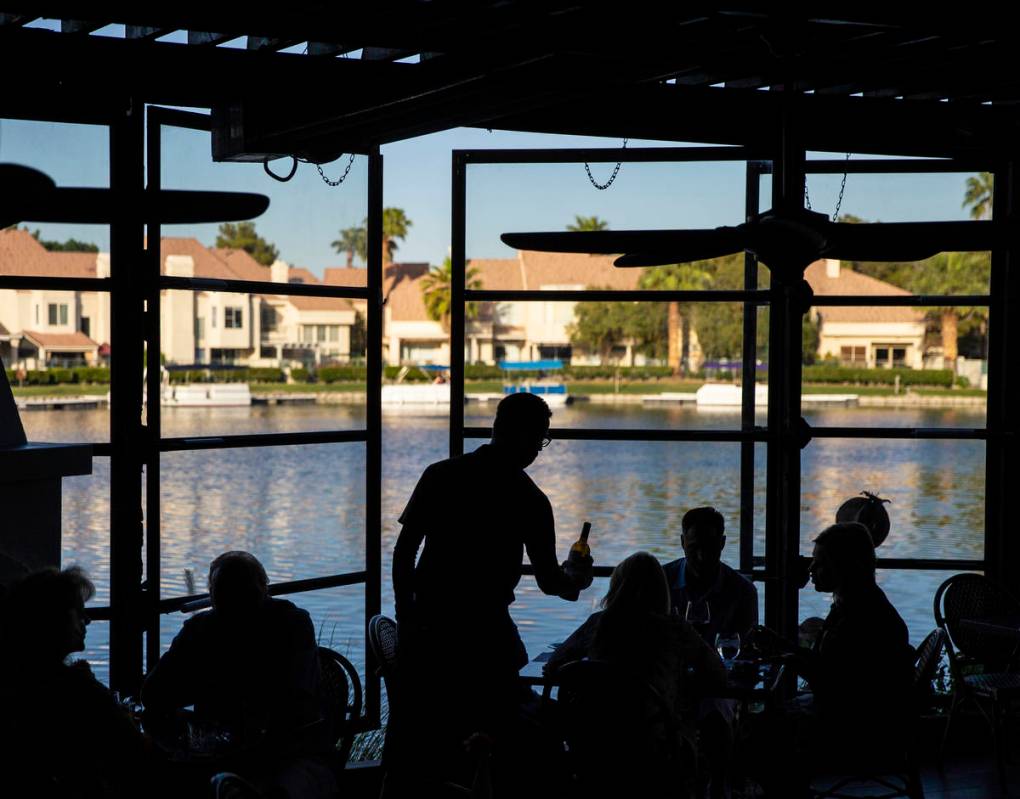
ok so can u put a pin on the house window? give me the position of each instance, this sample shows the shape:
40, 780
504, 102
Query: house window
86, 326
268, 318
232, 317
212, 317
334, 332
199, 329
58, 314
853, 356
888, 355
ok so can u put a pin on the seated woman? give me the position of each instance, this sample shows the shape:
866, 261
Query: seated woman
636, 631
61, 731
250, 668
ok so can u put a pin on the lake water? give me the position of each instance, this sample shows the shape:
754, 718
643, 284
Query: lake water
300, 509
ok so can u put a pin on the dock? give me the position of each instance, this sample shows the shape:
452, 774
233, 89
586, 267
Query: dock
61, 403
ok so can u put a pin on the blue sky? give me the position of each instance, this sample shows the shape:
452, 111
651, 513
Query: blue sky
305, 215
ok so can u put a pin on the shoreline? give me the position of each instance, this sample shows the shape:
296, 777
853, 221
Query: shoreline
809, 399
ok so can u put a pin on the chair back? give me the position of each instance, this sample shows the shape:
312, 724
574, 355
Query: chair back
619, 730
341, 695
929, 653
973, 596
382, 639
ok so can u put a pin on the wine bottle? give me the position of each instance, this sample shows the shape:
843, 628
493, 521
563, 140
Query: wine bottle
580, 546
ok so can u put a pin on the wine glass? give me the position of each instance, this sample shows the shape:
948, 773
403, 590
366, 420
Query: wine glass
728, 646
698, 613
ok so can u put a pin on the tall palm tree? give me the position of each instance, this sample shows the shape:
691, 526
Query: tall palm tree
395, 225
584, 224
978, 195
437, 291
353, 241
678, 277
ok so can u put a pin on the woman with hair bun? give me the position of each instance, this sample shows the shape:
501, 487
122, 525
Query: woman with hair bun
867, 509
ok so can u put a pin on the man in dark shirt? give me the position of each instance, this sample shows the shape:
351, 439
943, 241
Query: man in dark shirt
250, 667
701, 578
476, 516
716, 599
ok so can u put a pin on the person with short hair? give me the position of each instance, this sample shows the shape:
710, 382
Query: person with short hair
473, 517
61, 731
730, 602
250, 667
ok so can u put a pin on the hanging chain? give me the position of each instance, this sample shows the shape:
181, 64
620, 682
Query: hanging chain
340, 179
839, 201
608, 183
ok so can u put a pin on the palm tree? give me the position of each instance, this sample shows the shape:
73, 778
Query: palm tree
395, 225
978, 195
353, 241
436, 290
678, 277
584, 224
953, 273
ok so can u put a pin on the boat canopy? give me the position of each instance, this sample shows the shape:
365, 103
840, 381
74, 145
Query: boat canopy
531, 366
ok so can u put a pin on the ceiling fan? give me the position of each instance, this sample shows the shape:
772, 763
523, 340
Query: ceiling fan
28, 195
789, 239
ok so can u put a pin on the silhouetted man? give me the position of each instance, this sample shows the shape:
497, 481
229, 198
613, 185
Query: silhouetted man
729, 601
702, 578
476, 515
250, 667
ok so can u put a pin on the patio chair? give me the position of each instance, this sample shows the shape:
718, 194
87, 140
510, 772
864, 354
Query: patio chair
980, 663
623, 737
340, 691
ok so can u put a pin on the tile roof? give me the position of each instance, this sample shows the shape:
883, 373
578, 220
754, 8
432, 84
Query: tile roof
570, 269
298, 274
241, 263
50, 340
21, 254
850, 282
207, 264
342, 276
319, 303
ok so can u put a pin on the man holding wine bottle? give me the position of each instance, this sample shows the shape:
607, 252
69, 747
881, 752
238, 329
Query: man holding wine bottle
474, 517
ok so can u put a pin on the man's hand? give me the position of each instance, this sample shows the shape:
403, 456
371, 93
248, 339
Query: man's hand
579, 569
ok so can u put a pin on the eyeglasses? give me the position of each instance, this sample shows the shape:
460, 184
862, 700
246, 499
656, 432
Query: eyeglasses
546, 441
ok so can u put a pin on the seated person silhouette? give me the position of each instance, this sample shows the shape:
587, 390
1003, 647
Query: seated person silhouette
61, 731
250, 668
474, 516
860, 668
722, 602
637, 632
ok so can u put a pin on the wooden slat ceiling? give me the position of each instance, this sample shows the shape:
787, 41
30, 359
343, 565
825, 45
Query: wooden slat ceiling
370, 73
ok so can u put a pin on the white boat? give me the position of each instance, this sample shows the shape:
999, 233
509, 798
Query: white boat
205, 395
729, 395
416, 394
552, 390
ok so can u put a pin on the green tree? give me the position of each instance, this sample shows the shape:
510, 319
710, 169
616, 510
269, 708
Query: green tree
70, 245
601, 326
436, 290
395, 225
953, 273
354, 242
242, 236
584, 224
359, 336
678, 277
978, 195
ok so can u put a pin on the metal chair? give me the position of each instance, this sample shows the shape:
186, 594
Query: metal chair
979, 662
623, 738
340, 691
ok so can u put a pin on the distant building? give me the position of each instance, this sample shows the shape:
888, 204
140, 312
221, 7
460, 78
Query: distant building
42, 328
864, 336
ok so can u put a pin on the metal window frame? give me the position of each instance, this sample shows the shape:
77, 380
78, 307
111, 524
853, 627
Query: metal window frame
134, 448
782, 499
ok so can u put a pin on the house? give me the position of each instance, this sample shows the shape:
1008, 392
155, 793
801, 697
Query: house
41, 328
864, 336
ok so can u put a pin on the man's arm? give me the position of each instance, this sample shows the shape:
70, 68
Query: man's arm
404, 554
566, 581
169, 686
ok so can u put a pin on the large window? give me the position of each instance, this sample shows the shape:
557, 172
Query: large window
58, 314
233, 317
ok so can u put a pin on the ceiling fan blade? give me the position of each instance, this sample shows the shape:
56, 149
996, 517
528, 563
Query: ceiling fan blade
19, 179
908, 241
98, 206
663, 246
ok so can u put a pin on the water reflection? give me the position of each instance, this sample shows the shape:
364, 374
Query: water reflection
300, 509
